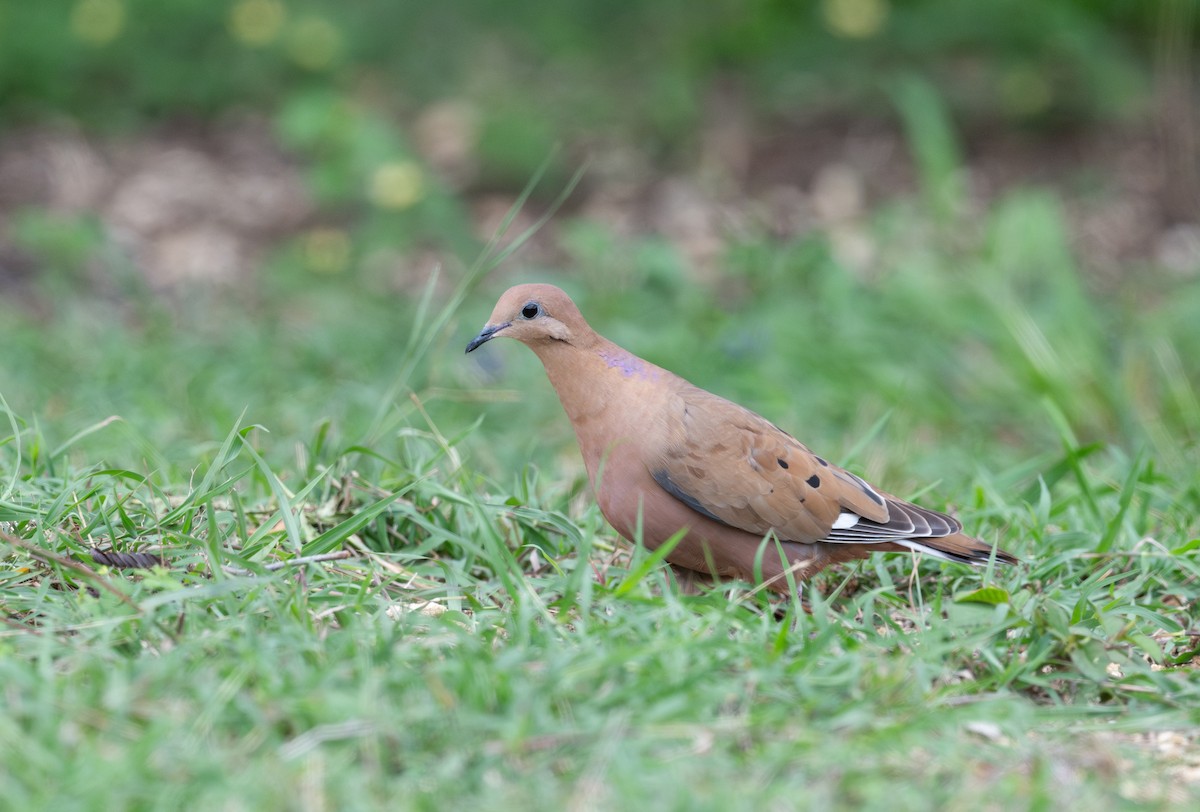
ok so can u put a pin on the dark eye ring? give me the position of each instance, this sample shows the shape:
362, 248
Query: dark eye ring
531, 311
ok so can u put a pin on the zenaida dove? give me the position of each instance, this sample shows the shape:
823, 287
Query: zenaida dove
664, 455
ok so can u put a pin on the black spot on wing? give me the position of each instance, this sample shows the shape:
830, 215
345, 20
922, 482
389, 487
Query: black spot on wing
782, 463
814, 481
670, 486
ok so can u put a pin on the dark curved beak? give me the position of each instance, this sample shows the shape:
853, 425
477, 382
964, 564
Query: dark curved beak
486, 335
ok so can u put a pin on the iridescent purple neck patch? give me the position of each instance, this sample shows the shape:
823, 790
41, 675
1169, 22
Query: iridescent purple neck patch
629, 365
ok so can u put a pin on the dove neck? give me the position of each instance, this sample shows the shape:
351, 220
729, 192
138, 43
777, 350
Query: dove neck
596, 384
577, 373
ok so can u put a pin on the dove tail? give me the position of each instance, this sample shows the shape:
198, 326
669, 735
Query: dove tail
960, 548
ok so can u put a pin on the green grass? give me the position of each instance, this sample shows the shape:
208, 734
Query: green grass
486, 639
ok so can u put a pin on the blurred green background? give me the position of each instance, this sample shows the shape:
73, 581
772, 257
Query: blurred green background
952, 244
978, 218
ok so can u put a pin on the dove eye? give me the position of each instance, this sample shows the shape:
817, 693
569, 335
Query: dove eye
531, 311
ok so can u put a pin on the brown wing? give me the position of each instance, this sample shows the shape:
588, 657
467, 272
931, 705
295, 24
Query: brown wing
736, 467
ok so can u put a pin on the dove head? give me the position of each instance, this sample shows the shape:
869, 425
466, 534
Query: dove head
535, 315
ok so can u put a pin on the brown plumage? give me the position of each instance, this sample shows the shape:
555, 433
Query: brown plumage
667, 455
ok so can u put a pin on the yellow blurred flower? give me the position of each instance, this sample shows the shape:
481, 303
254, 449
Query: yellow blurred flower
397, 185
98, 21
256, 22
855, 19
314, 42
327, 250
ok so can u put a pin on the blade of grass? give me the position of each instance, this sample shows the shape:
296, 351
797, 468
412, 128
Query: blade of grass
1128, 489
291, 521
16, 438
82, 433
335, 535
648, 564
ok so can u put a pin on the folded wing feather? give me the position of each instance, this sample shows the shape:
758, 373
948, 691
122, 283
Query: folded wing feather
729, 464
